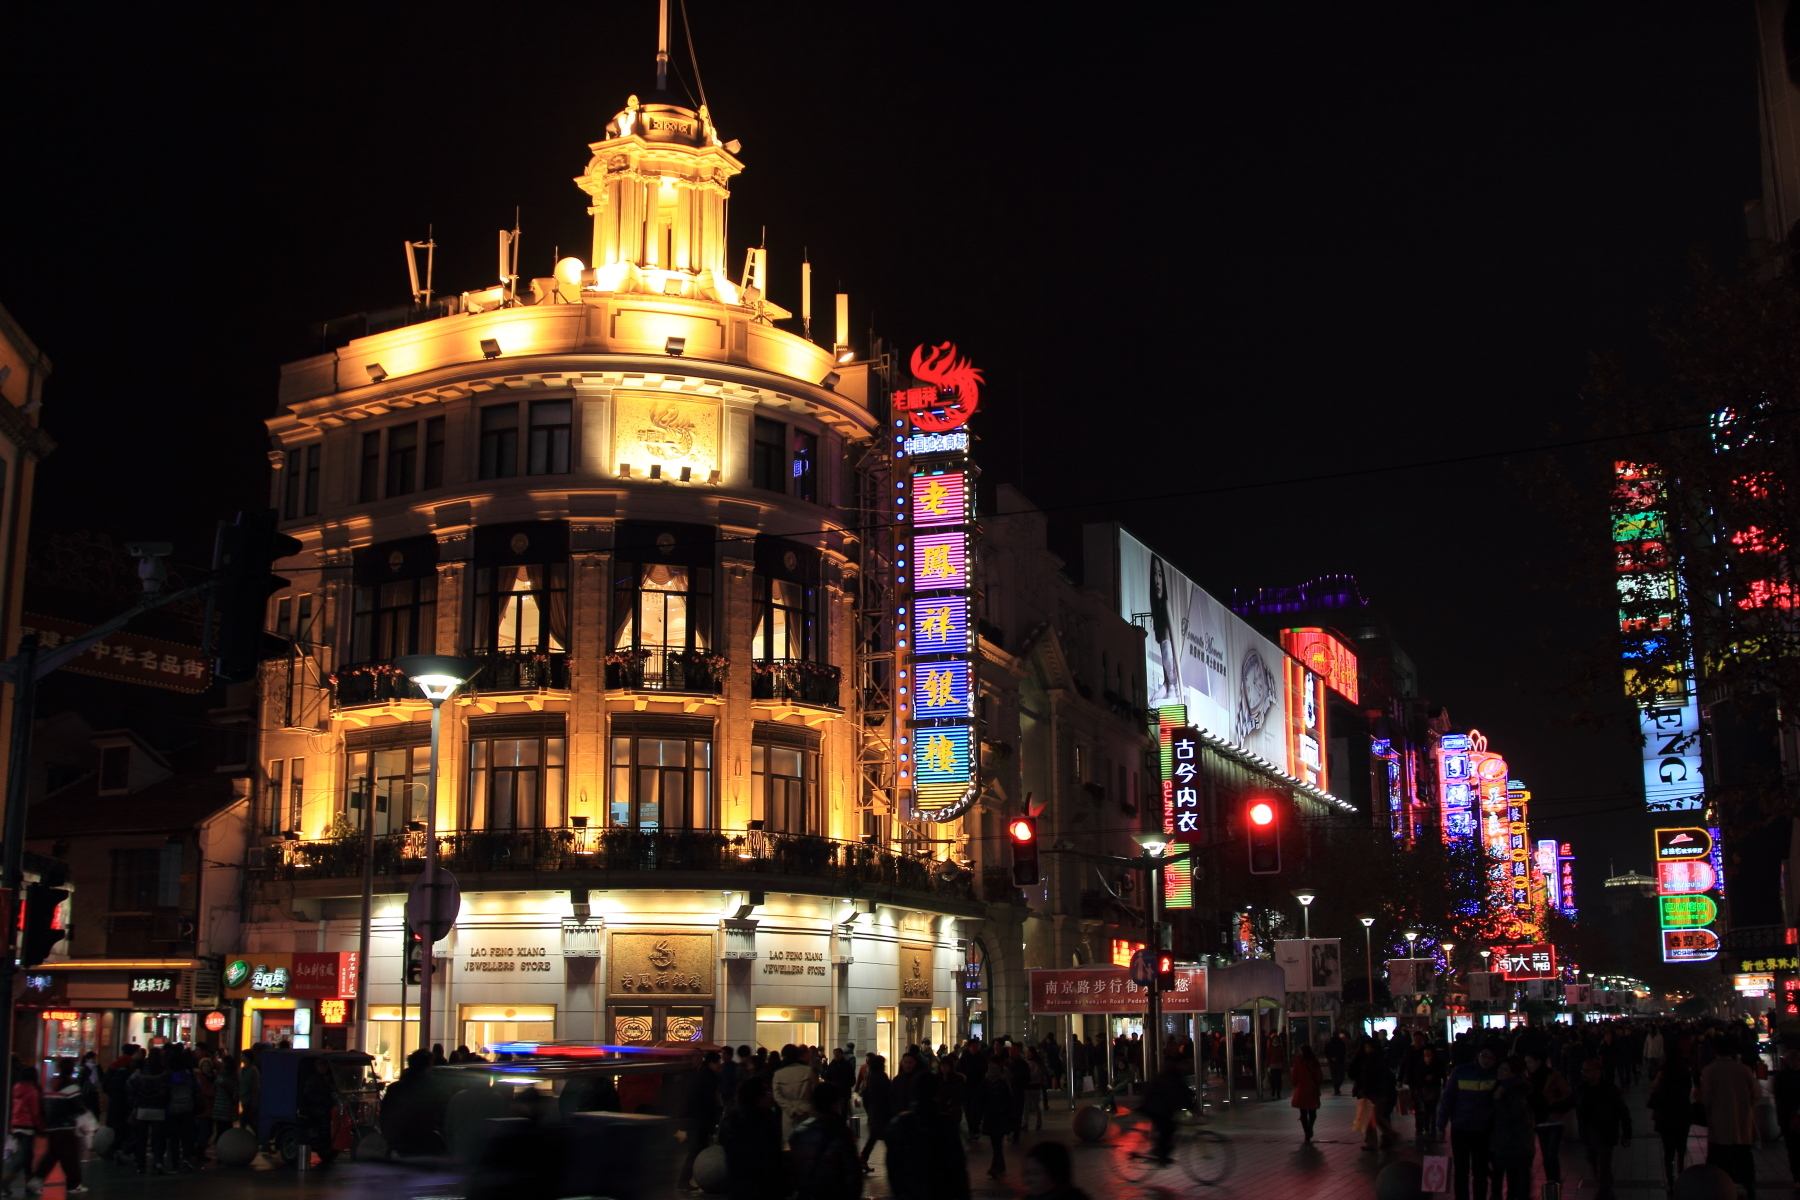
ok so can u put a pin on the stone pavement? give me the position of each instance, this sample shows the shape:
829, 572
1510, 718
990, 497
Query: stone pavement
1272, 1163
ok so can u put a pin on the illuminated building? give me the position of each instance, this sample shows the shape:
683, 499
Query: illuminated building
637, 502
23, 371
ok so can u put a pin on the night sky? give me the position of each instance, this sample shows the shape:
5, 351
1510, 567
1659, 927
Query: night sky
1215, 263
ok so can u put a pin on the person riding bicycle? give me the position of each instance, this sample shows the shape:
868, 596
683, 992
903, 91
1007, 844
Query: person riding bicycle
1168, 1094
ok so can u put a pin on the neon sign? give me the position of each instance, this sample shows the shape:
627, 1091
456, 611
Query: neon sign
1178, 762
950, 390
1688, 882
934, 501
1454, 797
1536, 960
1326, 656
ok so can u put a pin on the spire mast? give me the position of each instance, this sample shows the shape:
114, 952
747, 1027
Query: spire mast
662, 46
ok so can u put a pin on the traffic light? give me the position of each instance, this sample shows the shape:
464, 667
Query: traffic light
415, 956
1022, 832
39, 923
243, 563
1265, 837
1165, 971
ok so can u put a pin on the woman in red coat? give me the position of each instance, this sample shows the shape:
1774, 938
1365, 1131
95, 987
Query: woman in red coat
1307, 1080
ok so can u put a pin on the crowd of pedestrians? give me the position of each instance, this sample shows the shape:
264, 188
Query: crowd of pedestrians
1498, 1102
784, 1119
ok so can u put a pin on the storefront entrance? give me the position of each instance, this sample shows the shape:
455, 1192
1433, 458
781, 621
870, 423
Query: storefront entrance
648, 1024
488, 1025
777, 1027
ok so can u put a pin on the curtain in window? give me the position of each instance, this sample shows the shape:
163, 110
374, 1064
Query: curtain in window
544, 580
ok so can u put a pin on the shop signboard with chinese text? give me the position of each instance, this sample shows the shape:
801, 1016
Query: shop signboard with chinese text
1326, 656
302, 975
1687, 892
1536, 960
1081, 991
126, 657
938, 754
152, 990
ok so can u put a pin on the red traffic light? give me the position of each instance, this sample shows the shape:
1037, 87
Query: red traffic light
1262, 813
1165, 963
1022, 829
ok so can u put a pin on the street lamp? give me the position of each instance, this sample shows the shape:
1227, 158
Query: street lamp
1154, 846
438, 676
1368, 923
1449, 963
1412, 938
1306, 896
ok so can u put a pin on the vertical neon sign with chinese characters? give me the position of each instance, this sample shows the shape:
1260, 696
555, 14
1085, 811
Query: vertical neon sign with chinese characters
1180, 749
1565, 879
1455, 788
938, 682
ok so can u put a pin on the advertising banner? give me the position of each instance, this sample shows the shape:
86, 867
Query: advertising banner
1683, 842
1199, 653
1326, 657
1295, 963
1536, 960
1408, 976
1485, 987
1102, 990
1306, 724
126, 657
1687, 885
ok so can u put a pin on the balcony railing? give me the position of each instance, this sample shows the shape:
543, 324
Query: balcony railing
521, 671
370, 683
658, 669
795, 681
609, 851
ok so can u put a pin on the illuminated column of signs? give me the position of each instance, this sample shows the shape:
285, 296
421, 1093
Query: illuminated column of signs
1178, 768
1525, 895
1565, 875
1651, 603
1688, 885
1455, 791
937, 678
1545, 854
1487, 772
1382, 751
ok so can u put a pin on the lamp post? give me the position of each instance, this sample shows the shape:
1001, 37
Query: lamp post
1368, 923
1152, 862
1489, 985
438, 676
1306, 896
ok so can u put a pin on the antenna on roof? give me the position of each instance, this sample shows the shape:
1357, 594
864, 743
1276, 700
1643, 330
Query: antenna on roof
421, 296
509, 257
662, 46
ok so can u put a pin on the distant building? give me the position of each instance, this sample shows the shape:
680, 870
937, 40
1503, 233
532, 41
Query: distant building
24, 369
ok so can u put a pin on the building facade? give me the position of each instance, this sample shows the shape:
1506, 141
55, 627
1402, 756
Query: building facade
24, 369
628, 497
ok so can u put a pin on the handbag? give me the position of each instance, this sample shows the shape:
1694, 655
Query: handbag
1365, 1116
1434, 1173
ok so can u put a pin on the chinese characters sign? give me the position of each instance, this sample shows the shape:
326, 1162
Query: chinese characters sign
937, 680
1178, 762
1455, 794
126, 657
1534, 961
1100, 990
1688, 885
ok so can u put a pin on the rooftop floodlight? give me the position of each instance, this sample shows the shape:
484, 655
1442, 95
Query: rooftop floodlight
656, 470
675, 346
490, 348
687, 474
830, 381
377, 372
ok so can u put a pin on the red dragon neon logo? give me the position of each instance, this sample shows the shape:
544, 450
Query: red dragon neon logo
952, 385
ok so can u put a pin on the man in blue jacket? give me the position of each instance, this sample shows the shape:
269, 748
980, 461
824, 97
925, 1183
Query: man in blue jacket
1467, 1106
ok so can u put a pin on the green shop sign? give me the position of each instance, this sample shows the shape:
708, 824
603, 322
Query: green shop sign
1687, 912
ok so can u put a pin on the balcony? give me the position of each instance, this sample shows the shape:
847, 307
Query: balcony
795, 681
370, 683
657, 669
604, 858
521, 671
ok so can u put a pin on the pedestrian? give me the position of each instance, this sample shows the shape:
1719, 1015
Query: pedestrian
1603, 1122
1050, 1173
1374, 1082
1275, 1063
1425, 1082
1672, 1113
952, 1093
825, 1162
906, 1080
1337, 1053
925, 1156
1654, 1051
702, 1116
751, 1136
1018, 1082
877, 1092
1306, 1090
1467, 1107
250, 1093
1786, 1086
88, 1077
1164, 1098
1512, 1137
149, 1091
27, 1119
1037, 1081
225, 1100
792, 1086
1728, 1093
61, 1108
183, 1102
997, 1114
1551, 1100
972, 1066
113, 1084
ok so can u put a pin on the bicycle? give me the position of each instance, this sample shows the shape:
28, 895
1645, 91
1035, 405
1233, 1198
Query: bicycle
1205, 1155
